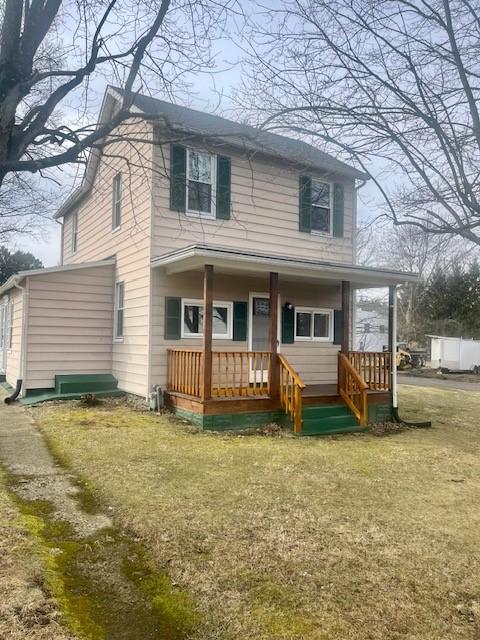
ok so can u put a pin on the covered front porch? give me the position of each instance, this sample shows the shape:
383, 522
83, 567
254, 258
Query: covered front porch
256, 383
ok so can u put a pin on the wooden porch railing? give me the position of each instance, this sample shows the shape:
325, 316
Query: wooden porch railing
291, 387
375, 367
353, 389
184, 370
240, 373
234, 373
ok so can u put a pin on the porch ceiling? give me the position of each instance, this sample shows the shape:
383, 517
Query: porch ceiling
232, 261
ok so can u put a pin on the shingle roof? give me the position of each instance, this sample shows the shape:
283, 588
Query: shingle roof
192, 121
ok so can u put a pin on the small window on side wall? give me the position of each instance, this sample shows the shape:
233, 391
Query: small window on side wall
313, 324
119, 310
74, 232
117, 202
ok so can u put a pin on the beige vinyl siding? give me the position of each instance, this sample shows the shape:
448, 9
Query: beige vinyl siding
70, 328
264, 216
14, 365
315, 361
130, 245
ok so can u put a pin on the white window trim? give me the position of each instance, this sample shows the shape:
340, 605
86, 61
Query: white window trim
312, 311
202, 214
74, 246
216, 303
328, 233
116, 308
115, 202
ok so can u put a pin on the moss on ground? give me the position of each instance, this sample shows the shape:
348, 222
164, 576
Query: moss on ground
104, 584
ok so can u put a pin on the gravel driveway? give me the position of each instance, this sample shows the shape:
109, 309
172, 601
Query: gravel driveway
439, 383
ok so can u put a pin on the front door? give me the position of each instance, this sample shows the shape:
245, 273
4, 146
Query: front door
259, 334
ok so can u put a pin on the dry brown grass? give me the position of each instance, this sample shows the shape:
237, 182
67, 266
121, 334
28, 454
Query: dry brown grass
355, 537
27, 611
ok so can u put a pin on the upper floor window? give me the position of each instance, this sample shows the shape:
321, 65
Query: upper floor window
321, 207
119, 310
313, 324
117, 201
200, 182
321, 220
74, 232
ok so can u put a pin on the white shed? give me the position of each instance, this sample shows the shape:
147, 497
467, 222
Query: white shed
456, 354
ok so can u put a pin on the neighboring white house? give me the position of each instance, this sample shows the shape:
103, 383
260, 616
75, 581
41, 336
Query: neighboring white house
371, 325
456, 354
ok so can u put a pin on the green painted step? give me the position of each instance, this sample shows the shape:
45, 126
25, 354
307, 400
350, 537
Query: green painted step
325, 411
45, 397
85, 383
328, 419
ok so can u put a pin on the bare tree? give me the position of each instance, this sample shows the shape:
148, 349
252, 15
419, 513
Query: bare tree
391, 84
56, 57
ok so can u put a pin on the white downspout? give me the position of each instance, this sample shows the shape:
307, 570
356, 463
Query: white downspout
394, 351
23, 346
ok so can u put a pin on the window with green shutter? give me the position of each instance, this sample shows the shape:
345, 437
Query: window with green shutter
173, 318
178, 177
337, 326
223, 188
240, 315
288, 324
321, 207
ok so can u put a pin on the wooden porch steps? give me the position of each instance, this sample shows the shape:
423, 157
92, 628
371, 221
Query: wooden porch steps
328, 419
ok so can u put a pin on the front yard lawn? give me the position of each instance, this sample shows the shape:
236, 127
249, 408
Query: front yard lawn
350, 537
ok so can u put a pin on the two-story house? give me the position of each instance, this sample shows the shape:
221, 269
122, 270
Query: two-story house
210, 260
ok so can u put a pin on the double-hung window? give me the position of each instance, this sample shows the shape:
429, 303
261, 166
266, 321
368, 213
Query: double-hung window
74, 232
192, 319
313, 324
117, 202
119, 310
200, 183
321, 216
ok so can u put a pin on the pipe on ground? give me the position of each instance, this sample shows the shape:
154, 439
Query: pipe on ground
15, 394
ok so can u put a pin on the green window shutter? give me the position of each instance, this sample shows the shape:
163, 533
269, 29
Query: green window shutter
338, 210
337, 326
305, 204
178, 177
173, 318
223, 188
240, 313
288, 325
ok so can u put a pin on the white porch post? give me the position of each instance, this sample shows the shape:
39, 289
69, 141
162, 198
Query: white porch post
392, 339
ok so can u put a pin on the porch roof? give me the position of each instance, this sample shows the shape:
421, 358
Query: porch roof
227, 260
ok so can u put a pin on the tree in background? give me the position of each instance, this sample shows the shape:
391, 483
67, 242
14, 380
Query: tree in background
431, 257
449, 303
393, 86
56, 56
11, 263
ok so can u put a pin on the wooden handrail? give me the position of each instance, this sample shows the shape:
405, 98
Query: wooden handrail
375, 367
291, 386
353, 389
